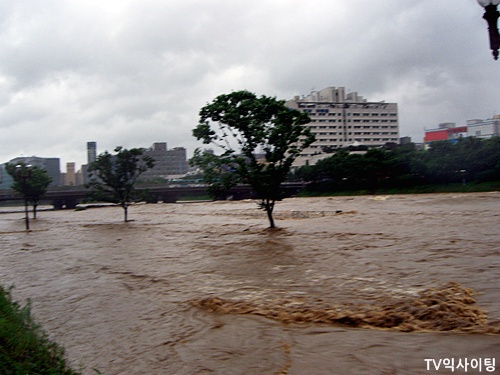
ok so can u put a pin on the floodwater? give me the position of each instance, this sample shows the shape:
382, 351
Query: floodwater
346, 285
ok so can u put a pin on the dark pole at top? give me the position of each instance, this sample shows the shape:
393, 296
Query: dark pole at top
491, 15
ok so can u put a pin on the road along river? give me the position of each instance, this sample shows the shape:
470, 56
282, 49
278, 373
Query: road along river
346, 285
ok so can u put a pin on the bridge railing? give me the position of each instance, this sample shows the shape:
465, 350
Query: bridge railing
69, 198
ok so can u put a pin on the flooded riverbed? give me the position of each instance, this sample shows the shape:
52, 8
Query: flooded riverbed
346, 285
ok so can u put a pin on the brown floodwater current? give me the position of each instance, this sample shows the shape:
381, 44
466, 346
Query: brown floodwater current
346, 285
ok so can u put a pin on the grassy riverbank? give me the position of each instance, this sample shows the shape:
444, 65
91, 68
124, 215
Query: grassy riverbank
24, 347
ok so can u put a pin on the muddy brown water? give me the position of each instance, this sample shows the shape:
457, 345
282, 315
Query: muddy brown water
204, 288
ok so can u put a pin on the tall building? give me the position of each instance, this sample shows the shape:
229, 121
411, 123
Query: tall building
69, 177
91, 152
50, 165
82, 177
171, 162
340, 120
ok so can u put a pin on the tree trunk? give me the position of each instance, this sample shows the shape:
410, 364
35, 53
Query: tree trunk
26, 214
35, 205
269, 205
125, 212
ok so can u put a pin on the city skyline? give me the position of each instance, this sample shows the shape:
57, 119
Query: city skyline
85, 149
131, 73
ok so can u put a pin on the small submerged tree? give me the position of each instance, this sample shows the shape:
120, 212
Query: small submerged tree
243, 125
113, 177
31, 182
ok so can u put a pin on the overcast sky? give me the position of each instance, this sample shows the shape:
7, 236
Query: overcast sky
135, 72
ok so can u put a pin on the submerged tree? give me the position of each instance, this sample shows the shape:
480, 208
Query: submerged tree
31, 182
244, 125
218, 173
112, 177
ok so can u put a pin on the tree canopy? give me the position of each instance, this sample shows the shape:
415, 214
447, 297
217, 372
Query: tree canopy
218, 172
113, 177
244, 126
468, 160
31, 182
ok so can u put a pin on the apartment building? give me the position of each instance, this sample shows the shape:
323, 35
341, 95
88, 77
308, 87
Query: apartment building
168, 162
342, 120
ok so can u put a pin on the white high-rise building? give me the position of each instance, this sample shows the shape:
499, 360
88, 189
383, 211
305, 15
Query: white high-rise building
342, 120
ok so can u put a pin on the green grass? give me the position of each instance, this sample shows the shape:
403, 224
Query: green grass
24, 347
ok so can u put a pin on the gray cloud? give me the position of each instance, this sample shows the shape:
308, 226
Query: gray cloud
135, 72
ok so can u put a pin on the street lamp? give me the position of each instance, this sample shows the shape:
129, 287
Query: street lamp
23, 173
491, 15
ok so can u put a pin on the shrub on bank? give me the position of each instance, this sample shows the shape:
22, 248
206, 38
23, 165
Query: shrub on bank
24, 347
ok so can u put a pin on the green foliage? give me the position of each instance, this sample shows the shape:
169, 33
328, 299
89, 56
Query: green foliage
31, 182
24, 346
113, 177
404, 167
470, 158
243, 125
218, 172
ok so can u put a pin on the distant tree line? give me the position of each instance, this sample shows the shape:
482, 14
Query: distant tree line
402, 166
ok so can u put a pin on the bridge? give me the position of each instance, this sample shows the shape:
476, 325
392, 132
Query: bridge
71, 197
